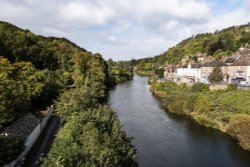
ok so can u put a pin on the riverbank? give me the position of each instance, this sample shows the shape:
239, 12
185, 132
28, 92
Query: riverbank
166, 139
145, 73
226, 110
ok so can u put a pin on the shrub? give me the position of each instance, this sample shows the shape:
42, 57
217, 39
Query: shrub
231, 87
206, 122
199, 87
239, 127
10, 148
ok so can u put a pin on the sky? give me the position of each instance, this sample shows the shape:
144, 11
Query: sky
124, 29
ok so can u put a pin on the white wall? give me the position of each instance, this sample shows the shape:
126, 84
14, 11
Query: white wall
248, 74
192, 72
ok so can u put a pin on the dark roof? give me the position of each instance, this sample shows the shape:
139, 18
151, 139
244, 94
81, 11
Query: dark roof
214, 63
23, 126
241, 63
230, 60
197, 65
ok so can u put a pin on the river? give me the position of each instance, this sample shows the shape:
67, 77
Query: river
163, 139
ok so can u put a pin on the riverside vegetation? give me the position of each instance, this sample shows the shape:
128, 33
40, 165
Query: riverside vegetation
37, 71
227, 110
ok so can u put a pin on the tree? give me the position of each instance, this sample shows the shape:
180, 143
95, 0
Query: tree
10, 148
91, 137
159, 72
216, 75
19, 84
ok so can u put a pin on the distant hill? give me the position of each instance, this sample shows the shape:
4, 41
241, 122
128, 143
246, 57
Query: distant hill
17, 44
218, 45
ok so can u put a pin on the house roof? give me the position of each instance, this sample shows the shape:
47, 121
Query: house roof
214, 63
241, 63
23, 126
230, 60
196, 65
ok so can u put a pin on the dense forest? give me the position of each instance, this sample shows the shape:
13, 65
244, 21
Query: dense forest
36, 71
218, 45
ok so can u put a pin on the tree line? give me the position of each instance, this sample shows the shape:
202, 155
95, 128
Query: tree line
37, 71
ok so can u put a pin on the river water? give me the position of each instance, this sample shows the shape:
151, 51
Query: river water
167, 140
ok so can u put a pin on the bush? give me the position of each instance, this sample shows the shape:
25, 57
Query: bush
231, 87
206, 122
199, 87
10, 148
239, 127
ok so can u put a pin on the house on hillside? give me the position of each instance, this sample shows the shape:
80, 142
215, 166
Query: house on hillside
169, 72
208, 67
235, 68
188, 73
238, 66
238, 71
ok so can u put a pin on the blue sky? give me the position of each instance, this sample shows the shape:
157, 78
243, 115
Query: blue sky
225, 6
123, 29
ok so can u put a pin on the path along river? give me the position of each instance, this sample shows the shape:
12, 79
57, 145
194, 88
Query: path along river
167, 140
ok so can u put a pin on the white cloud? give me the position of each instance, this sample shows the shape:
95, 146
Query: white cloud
122, 29
85, 13
239, 16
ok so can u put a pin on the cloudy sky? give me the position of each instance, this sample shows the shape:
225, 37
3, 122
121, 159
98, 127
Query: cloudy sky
122, 29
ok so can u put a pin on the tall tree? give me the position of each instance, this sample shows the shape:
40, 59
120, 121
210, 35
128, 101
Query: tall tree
216, 75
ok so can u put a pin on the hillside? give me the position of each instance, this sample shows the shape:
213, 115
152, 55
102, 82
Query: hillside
36, 71
218, 45
226, 110
56, 62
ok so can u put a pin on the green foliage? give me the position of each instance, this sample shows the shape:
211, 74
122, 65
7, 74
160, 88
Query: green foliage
74, 100
92, 137
227, 110
19, 83
36, 70
231, 87
218, 44
219, 54
159, 72
120, 71
206, 122
10, 148
199, 87
216, 75
245, 37
144, 65
239, 128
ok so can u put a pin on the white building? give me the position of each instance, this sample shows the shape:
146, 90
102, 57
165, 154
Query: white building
189, 74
